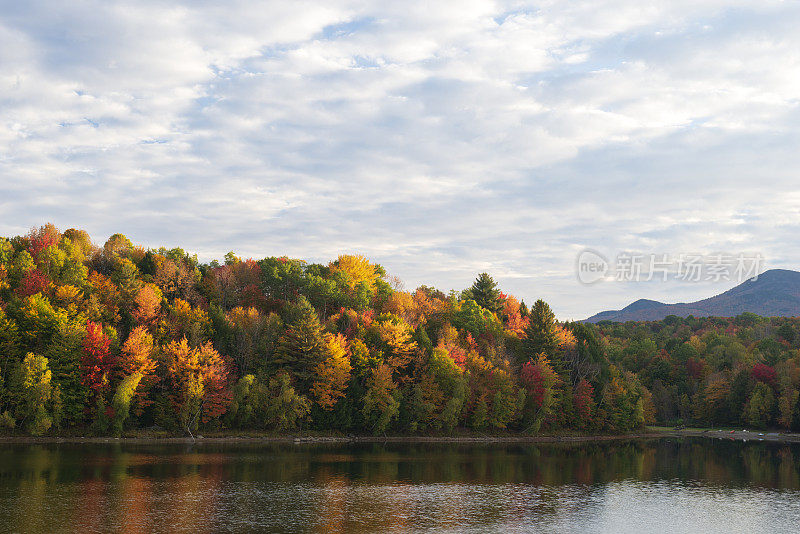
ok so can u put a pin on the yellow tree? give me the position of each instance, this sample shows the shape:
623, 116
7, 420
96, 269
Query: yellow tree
182, 320
401, 304
332, 374
198, 382
147, 304
396, 342
357, 269
137, 365
137, 353
34, 382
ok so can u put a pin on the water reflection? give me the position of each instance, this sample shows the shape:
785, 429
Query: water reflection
660, 485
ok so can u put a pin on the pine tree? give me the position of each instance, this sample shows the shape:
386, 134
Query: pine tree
542, 338
302, 347
541, 331
485, 293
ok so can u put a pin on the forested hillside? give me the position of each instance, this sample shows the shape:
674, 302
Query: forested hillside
714, 371
117, 337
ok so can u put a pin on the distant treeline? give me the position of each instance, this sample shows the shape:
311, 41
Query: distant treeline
714, 371
117, 337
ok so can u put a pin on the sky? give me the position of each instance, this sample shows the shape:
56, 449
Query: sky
439, 139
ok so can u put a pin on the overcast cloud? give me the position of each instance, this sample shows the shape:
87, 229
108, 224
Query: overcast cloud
440, 139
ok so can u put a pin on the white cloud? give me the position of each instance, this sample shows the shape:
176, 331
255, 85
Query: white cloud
441, 138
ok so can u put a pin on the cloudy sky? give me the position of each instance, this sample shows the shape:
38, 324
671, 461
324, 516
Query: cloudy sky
441, 139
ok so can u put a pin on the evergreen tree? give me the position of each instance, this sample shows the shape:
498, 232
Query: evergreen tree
64, 356
541, 332
485, 293
740, 391
302, 347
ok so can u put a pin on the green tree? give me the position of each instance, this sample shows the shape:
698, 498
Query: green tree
540, 335
126, 276
506, 401
241, 410
285, 408
10, 346
625, 402
39, 322
485, 293
6, 251
36, 394
302, 348
740, 390
787, 406
64, 355
450, 379
758, 410
475, 319
282, 278
480, 415
121, 403
381, 405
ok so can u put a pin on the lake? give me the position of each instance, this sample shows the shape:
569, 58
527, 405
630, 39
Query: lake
659, 485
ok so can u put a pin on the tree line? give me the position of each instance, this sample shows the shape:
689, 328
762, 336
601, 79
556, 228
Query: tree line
117, 338
712, 371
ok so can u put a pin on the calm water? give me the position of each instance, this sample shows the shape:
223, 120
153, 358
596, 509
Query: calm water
690, 485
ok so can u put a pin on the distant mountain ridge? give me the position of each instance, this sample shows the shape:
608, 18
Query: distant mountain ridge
775, 293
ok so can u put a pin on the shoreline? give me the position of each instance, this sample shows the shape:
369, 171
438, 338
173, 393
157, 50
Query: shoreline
324, 439
736, 435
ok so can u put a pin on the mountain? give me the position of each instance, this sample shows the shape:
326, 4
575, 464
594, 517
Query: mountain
775, 293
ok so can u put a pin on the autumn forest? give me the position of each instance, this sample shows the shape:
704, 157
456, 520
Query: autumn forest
117, 338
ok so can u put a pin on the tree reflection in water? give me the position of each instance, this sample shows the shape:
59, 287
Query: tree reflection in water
215, 487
